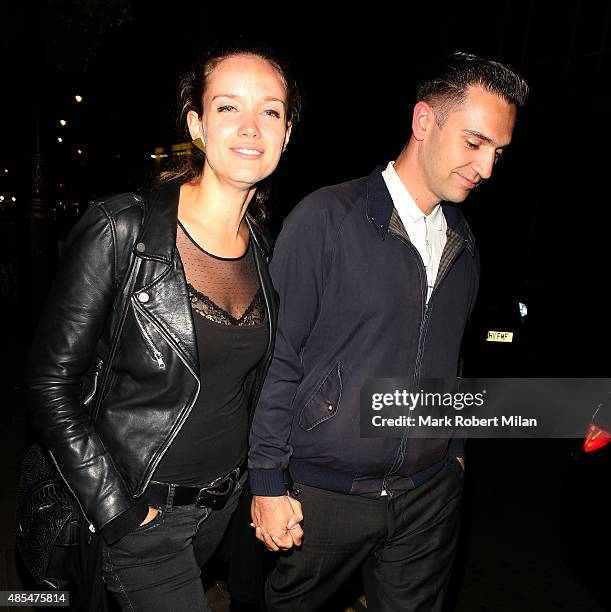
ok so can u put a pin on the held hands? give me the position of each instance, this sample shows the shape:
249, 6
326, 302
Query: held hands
153, 512
276, 521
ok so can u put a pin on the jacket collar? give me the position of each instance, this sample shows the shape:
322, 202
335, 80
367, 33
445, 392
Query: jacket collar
380, 207
157, 239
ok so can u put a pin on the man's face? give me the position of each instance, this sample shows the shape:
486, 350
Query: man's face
457, 156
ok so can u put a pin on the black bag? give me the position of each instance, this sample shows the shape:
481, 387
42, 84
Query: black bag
53, 537
47, 513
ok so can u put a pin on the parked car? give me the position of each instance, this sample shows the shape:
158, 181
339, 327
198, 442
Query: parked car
584, 533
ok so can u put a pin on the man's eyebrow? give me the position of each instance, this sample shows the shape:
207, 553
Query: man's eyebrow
483, 137
479, 135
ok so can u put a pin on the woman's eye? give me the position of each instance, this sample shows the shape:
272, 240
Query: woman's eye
472, 145
272, 113
225, 108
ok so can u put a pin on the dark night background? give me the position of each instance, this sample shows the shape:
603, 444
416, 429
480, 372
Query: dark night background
541, 224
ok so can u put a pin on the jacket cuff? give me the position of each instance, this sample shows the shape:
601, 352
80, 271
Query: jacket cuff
267, 482
456, 448
125, 522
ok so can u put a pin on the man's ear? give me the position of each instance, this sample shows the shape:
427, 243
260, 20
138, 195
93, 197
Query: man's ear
422, 119
195, 126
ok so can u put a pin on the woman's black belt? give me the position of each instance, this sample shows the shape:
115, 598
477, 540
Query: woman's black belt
213, 495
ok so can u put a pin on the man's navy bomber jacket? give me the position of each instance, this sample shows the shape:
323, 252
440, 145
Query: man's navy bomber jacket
352, 307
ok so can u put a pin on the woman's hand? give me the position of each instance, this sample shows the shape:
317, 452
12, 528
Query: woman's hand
276, 521
153, 512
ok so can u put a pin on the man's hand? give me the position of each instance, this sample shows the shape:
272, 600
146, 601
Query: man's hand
152, 513
276, 521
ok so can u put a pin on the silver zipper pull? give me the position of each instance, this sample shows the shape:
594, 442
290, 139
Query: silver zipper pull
159, 357
91, 532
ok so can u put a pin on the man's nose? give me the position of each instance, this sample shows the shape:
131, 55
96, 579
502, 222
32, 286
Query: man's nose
485, 164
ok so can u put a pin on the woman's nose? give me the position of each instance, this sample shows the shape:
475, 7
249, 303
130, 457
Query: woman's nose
249, 126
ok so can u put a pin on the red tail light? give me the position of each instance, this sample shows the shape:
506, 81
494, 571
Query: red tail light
595, 438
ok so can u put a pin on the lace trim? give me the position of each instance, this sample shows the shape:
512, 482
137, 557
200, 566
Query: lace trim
203, 305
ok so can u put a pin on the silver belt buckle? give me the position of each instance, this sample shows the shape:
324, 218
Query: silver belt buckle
206, 498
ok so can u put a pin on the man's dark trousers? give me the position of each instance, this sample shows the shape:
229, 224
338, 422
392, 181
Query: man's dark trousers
404, 545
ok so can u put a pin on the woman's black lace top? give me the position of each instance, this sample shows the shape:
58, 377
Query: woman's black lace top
228, 316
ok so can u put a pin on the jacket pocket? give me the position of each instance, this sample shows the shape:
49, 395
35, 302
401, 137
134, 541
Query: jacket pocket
155, 353
324, 402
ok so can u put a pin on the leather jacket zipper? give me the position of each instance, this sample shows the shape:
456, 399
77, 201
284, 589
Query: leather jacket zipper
96, 375
157, 354
135, 267
183, 417
90, 524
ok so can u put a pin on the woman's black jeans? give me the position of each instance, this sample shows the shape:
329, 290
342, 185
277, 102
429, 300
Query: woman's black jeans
158, 565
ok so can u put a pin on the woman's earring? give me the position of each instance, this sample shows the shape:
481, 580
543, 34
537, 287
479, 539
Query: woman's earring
199, 143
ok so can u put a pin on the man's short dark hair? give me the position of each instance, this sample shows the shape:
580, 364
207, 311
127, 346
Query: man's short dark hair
449, 88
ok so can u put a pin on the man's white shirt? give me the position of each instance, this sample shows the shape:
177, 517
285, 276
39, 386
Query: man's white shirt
426, 232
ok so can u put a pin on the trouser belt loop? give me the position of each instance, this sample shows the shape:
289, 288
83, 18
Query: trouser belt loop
170, 500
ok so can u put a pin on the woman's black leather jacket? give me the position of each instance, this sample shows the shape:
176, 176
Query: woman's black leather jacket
107, 428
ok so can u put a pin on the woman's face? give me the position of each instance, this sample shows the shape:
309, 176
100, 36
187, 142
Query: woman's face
243, 126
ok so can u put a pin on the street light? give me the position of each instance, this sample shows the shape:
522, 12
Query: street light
63, 122
78, 98
60, 139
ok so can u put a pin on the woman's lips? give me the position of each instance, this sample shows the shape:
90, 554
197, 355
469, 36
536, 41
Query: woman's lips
248, 151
